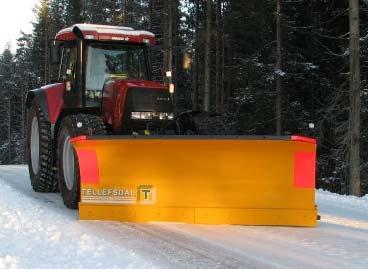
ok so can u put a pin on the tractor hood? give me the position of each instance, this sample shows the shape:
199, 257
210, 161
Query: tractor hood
122, 97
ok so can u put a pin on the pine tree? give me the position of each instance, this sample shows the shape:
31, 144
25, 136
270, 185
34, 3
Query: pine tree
195, 70
6, 96
279, 71
74, 11
219, 67
156, 53
58, 14
24, 79
207, 60
97, 11
40, 38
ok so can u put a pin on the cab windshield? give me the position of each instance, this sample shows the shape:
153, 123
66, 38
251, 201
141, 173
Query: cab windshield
106, 62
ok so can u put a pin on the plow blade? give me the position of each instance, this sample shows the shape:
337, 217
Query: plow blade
231, 180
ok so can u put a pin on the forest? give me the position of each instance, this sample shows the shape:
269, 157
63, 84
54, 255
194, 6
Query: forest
269, 67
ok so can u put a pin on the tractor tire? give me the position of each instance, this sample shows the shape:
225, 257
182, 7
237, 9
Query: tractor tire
68, 169
201, 123
40, 151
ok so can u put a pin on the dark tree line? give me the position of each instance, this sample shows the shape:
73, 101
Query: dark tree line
268, 66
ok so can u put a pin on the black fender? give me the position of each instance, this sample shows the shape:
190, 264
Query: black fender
50, 98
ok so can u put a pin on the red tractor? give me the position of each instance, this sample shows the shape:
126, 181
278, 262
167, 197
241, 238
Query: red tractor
104, 87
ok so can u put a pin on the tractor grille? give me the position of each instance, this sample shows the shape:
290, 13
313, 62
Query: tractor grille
148, 100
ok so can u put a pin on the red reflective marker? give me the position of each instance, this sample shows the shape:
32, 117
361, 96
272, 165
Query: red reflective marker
304, 169
303, 139
88, 166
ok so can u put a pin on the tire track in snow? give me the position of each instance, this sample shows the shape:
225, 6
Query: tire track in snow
200, 252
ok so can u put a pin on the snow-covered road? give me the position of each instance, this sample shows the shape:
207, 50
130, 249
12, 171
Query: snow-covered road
36, 231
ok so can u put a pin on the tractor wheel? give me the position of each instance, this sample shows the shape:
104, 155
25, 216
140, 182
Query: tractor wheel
68, 169
40, 151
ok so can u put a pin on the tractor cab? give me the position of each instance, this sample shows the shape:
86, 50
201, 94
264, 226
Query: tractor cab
107, 68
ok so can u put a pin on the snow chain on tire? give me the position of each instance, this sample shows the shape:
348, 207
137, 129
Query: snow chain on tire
45, 179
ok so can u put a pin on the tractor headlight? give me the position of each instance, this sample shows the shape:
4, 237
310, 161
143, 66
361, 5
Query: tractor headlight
146, 115
142, 115
136, 115
166, 116
152, 115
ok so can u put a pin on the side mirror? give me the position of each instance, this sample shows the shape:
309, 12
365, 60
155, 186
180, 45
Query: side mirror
55, 51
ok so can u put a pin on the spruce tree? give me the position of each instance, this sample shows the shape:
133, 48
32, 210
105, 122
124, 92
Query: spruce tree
40, 38
7, 88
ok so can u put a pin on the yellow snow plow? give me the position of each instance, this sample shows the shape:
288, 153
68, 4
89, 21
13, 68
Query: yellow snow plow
207, 180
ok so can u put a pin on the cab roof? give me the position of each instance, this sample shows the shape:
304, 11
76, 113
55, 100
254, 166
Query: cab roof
105, 33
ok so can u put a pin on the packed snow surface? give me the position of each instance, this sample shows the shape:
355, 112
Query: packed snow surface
36, 231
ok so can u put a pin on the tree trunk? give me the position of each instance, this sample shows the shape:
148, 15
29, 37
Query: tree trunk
278, 69
218, 57
46, 64
167, 24
23, 94
175, 50
207, 61
223, 94
125, 12
131, 13
165, 41
76, 7
157, 24
355, 102
9, 130
114, 14
150, 15
195, 64
170, 37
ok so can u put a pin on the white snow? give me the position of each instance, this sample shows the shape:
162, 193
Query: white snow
36, 231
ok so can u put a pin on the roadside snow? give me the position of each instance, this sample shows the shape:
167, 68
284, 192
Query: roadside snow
36, 231
348, 211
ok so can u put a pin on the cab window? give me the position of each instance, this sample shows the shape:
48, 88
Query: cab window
106, 62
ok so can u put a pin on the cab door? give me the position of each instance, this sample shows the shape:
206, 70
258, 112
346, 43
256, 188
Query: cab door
69, 75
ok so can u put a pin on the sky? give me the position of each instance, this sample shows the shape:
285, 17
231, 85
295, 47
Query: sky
15, 15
